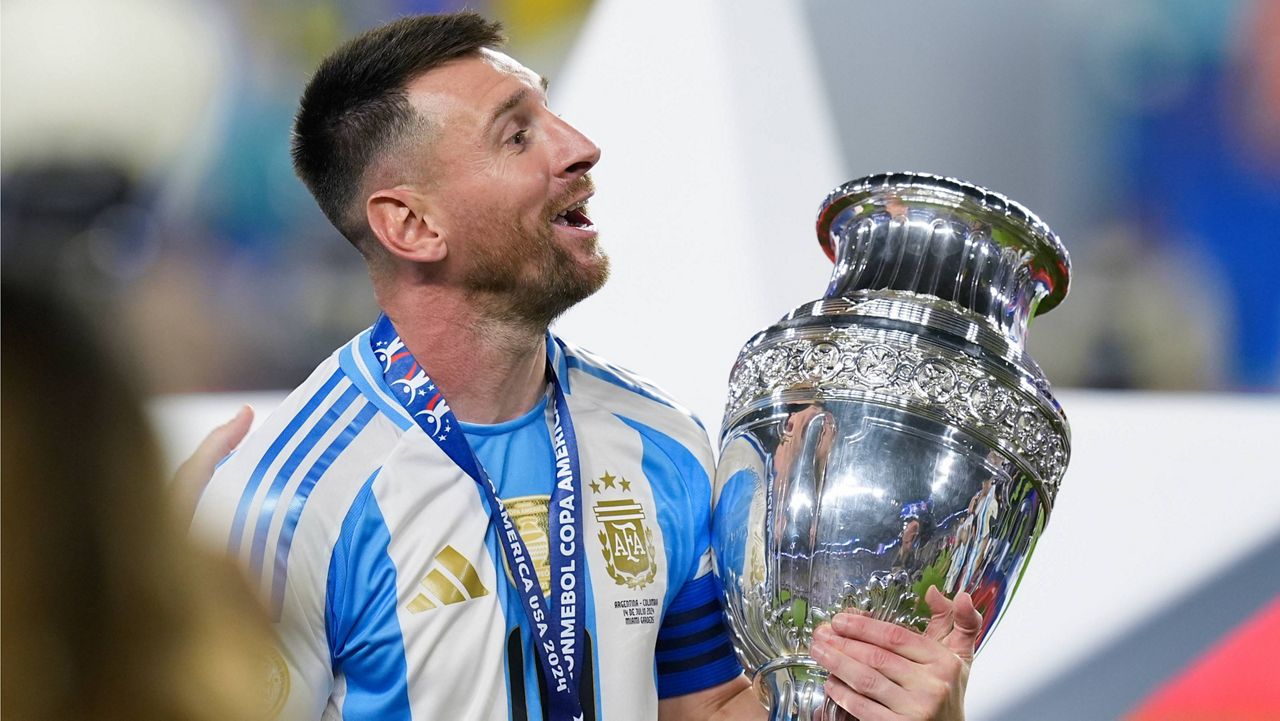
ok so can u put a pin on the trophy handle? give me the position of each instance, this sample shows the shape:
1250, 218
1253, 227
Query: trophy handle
792, 689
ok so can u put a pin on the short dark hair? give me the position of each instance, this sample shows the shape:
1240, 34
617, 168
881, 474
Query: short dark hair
355, 105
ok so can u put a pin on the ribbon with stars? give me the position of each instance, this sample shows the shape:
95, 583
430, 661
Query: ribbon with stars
557, 634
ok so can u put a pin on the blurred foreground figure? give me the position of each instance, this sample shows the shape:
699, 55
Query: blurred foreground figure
108, 613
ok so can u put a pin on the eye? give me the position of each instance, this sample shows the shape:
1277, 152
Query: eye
520, 138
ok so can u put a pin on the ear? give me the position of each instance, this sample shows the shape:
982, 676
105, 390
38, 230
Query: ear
400, 219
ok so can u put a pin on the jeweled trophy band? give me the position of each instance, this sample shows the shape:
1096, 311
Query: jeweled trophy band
893, 435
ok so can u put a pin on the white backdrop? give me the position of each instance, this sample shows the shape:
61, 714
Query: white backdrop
717, 150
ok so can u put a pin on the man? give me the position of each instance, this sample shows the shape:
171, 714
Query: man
460, 515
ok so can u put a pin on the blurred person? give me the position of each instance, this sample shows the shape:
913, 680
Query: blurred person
1206, 174
406, 507
108, 613
1146, 314
93, 234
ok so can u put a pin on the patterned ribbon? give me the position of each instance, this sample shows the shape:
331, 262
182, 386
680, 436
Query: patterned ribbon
558, 633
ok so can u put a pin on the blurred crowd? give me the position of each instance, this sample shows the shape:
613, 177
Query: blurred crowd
146, 176
1177, 288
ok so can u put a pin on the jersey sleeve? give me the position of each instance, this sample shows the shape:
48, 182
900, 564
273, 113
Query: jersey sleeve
694, 651
297, 676
277, 508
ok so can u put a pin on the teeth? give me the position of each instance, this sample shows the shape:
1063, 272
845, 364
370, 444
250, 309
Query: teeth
563, 216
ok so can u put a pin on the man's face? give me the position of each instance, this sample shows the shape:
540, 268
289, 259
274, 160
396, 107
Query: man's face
509, 182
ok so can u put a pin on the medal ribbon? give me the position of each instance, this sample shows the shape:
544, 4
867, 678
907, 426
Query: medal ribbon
557, 633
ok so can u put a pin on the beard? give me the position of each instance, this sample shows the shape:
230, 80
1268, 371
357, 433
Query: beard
525, 276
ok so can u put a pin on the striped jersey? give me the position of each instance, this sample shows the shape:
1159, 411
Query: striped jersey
384, 576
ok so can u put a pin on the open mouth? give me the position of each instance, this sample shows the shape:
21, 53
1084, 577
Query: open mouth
574, 216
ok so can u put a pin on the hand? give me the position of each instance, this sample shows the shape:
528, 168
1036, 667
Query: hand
884, 672
194, 473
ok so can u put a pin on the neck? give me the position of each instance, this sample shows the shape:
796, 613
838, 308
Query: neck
489, 369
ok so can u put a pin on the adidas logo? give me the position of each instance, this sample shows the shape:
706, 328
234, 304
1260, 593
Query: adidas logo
452, 580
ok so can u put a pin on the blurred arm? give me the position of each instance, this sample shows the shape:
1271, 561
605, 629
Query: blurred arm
733, 700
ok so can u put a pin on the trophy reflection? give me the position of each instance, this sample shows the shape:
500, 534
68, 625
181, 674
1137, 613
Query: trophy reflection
892, 435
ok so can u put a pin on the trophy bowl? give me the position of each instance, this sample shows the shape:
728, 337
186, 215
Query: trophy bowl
892, 435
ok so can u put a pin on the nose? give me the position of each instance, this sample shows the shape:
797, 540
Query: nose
579, 153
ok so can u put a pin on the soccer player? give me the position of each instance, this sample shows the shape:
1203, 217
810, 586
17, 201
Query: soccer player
460, 515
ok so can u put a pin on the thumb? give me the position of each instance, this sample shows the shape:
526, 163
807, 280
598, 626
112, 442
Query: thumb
968, 625
943, 618
194, 473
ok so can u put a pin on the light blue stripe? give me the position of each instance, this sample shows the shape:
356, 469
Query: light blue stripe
682, 494
507, 605
268, 508
365, 639
255, 479
338, 562
365, 371
299, 501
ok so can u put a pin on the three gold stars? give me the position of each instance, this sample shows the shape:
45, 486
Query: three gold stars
608, 480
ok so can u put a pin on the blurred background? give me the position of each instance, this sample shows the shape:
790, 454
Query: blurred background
146, 170
146, 175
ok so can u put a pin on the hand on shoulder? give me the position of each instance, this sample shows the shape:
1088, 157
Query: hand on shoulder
193, 475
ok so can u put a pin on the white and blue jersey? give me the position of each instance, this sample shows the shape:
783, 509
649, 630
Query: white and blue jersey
381, 568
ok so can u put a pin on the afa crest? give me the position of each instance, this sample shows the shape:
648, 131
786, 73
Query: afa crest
274, 675
625, 538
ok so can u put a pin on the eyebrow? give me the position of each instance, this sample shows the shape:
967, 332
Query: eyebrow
510, 103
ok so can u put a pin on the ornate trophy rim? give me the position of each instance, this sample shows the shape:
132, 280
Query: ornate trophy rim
892, 435
1034, 236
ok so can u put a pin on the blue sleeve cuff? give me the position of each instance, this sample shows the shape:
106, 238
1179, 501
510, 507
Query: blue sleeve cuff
694, 652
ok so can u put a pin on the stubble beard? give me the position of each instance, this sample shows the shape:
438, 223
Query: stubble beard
527, 279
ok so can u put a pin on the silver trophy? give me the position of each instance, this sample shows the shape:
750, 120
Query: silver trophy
892, 435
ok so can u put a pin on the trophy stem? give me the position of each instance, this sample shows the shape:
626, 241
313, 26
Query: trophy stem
792, 689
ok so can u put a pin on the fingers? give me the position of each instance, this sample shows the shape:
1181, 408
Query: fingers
194, 473
943, 619
890, 636
865, 671
885, 662
224, 439
880, 670
862, 708
215, 446
968, 625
